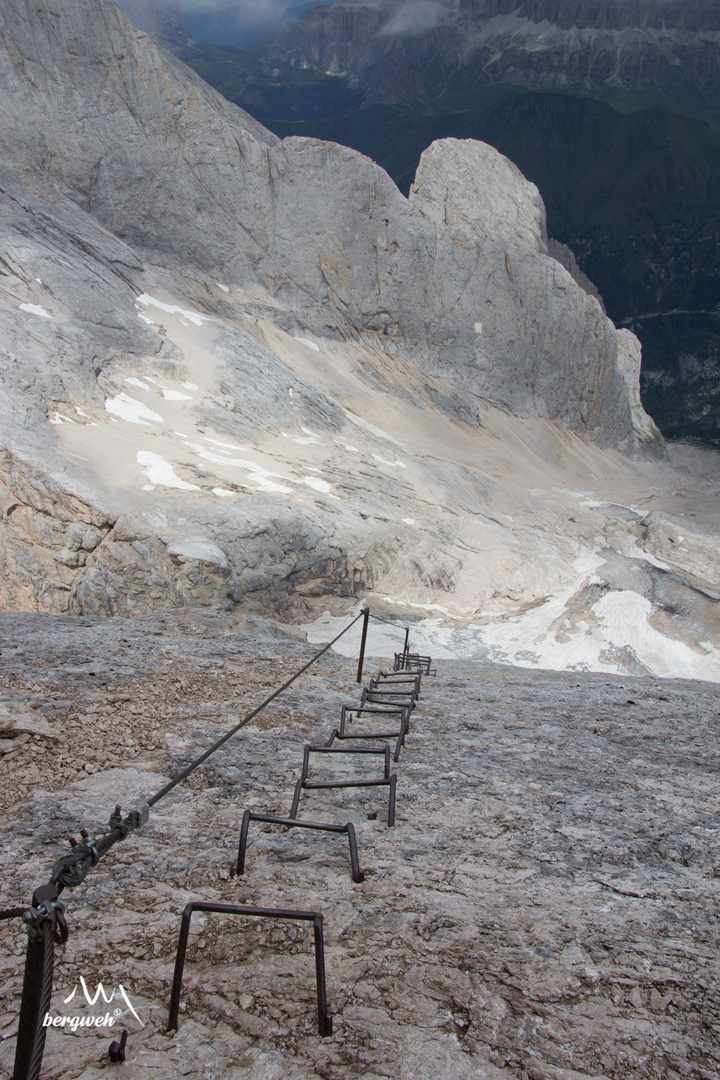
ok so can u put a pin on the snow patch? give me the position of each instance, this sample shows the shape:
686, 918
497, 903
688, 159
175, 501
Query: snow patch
258, 475
383, 639
310, 344
300, 439
36, 309
317, 484
161, 473
547, 637
223, 493
392, 464
199, 548
640, 553
130, 409
620, 623
172, 309
226, 445
167, 393
359, 421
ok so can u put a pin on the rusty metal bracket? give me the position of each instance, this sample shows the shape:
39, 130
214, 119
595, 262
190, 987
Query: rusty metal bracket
308, 749
348, 827
389, 780
325, 1025
348, 712
383, 681
388, 697
397, 736
406, 661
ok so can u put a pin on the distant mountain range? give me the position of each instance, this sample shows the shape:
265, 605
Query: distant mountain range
611, 107
629, 52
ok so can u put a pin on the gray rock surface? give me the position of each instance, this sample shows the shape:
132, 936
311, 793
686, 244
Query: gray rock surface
191, 181
238, 370
544, 907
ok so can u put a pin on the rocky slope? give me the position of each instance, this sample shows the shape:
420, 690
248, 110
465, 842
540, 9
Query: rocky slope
630, 189
544, 907
236, 367
198, 187
635, 196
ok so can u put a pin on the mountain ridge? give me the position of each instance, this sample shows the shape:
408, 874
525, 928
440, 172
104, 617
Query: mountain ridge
248, 169
405, 52
241, 371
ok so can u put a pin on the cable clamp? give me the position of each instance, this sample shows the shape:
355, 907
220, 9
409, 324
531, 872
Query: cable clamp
54, 910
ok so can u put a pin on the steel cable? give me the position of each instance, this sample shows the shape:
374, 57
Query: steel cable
37, 990
390, 622
70, 870
12, 913
246, 720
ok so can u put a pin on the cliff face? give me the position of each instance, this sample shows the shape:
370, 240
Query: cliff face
185, 178
690, 15
239, 367
654, 53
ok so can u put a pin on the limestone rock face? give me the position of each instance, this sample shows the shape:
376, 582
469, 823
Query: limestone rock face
188, 179
490, 225
236, 369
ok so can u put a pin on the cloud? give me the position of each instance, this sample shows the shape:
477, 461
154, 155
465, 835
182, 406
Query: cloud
257, 9
238, 22
416, 17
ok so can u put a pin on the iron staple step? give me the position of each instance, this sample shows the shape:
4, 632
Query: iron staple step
272, 819
388, 780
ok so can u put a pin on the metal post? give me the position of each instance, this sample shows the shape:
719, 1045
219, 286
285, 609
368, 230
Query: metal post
324, 1017
363, 639
37, 989
242, 845
357, 874
325, 1024
407, 636
179, 967
296, 799
391, 801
